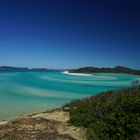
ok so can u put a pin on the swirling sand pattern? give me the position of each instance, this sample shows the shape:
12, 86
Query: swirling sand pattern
28, 92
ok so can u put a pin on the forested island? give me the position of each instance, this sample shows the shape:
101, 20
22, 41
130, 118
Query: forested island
117, 69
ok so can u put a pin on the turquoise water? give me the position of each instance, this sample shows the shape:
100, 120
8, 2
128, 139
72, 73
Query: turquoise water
28, 92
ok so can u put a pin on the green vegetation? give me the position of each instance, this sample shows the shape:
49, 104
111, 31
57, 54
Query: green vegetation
114, 115
117, 69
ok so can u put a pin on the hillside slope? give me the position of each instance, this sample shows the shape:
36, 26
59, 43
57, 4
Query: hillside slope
113, 115
117, 69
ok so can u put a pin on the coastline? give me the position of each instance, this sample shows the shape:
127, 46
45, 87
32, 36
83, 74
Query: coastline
76, 74
4, 122
28, 114
49, 110
53, 124
64, 83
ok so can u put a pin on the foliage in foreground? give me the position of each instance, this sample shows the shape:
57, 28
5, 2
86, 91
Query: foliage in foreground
109, 116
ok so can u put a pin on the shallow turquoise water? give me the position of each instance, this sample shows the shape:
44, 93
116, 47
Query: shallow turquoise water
28, 92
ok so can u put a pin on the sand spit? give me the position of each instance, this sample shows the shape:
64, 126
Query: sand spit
76, 74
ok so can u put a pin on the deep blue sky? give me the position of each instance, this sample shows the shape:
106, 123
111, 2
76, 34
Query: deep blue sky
70, 33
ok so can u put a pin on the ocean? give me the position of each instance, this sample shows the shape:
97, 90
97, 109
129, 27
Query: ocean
24, 93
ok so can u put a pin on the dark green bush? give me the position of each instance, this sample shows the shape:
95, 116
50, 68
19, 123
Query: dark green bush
117, 118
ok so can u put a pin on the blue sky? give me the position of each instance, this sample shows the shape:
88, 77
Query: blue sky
70, 34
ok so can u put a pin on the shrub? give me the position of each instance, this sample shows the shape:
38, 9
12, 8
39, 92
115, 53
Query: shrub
105, 119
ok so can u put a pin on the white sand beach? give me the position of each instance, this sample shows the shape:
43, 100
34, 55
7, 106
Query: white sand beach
77, 74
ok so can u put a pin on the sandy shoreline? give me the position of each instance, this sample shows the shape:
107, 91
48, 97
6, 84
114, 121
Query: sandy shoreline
28, 114
3, 122
37, 114
76, 74
52, 124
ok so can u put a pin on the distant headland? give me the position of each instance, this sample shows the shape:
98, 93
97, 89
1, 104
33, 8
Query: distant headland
10, 68
117, 69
